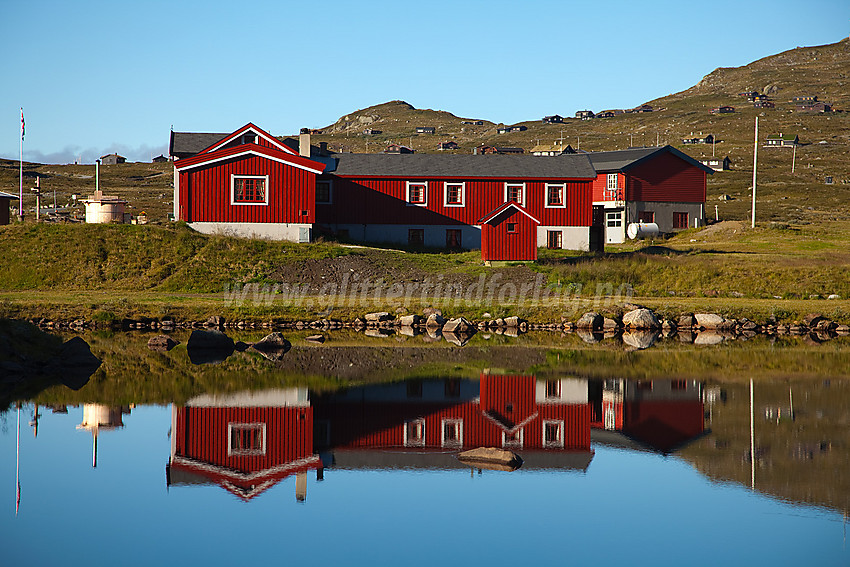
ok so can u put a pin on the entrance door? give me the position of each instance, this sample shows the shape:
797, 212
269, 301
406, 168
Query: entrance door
614, 231
453, 238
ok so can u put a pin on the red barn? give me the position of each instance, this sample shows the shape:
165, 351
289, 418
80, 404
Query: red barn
509, 233
658, 185
249, 184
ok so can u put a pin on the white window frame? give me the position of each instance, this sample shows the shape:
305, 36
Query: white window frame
521, 202
234, 177
407, 195
451, 443
563, 204
611, 222
330, 200
462, 194
558, 442
613, 182
518, 442
415, 443
243, 452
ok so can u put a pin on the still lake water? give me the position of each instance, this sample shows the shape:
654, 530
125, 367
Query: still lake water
628, 457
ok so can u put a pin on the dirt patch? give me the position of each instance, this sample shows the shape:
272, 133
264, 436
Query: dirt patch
723, 228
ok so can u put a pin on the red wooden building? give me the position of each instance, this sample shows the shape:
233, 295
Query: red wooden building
509, 233
659, 185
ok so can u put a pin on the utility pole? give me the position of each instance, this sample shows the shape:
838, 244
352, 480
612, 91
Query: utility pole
794, 158
755, 166
37, 192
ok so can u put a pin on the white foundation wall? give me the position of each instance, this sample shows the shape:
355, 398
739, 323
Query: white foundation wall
293, 232
435, 235
176, 203
572, 237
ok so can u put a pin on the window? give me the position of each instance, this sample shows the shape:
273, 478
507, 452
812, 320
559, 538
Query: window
453, 238
417, 193
414, 433
555, 195
323, 193
414, 389
511, 226
553, 433
680, 220
554, 239
612, 189
515, 192
416, 236
452, 433
512, 439
678, 385
249, 189
646, 216
553, 389
455, 194
246, 438
613, 220
612, 182
451, 387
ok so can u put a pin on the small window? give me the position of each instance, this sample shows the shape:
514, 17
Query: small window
323, 193
453, 238
417, 193
646, 216
554, 239
249, 190
416, 236
414, 433
246, 439
414, 389
555, 195
612, 182
680, 220
553, 389
512, 439
553, 433
452, 433
511, 226
455, 196
515, 192
613, 220
249, 138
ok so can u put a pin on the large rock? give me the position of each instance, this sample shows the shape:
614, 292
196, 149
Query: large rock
812, 319
641, 319
74, 363
457, 339
458, 325
640, 339
273, 346
514, 321
216, 321
435, 321
590, 320
409, 320
377, 317
209, 347
709, 321
687, 321
162, 343
708, 338
491, 458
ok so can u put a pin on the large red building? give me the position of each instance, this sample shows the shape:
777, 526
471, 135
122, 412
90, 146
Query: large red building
658, 185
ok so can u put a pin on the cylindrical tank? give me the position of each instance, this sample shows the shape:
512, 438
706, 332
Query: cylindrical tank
642, 230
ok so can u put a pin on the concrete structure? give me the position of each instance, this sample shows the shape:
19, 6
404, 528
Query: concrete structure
101, 209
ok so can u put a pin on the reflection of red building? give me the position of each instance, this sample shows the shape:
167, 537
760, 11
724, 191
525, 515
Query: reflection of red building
662, 415
245, 443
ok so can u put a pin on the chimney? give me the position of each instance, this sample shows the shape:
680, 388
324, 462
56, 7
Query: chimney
323, 148
304, 143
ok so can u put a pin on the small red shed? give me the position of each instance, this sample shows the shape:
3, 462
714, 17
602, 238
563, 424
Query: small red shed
509, 233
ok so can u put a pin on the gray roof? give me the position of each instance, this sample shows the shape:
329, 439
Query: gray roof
621, 160
184, 144
462, 166
4, 195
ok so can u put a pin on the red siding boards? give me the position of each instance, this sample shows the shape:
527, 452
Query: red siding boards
382, 200
666, 179
205, 190
509, 234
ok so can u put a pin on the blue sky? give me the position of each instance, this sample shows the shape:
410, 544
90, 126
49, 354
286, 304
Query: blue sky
97, 77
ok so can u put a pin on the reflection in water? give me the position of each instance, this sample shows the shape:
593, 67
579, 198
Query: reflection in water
250, 441
97, 418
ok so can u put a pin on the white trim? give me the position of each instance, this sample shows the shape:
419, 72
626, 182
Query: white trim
414, 443
330, 200
233, 201
522, 193
462, 193
563, 204
233, 136
559, 442
245, 153
517, 443
458, 423
407, 193
240, 452
502, 210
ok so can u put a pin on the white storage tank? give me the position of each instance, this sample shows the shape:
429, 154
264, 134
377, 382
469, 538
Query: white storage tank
642, 230
102, 208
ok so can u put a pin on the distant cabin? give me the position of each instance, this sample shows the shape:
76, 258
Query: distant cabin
447, 146
473, 122
609, 113
748, 94
159, 159
763, 104
112, 159
781, 141
814, 107
555, 149
490, 150
707, 139
642, 108
554, 119
723, 110
804, 99
508, 129
425, 130
372, 131
717, 163
584, 114
398, 149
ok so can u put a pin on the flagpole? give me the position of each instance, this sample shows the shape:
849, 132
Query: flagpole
18, 465
21, 192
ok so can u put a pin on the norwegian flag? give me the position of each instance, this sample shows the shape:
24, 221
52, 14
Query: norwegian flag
22, 124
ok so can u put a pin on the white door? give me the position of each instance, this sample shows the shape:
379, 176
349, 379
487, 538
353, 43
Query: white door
615, 232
